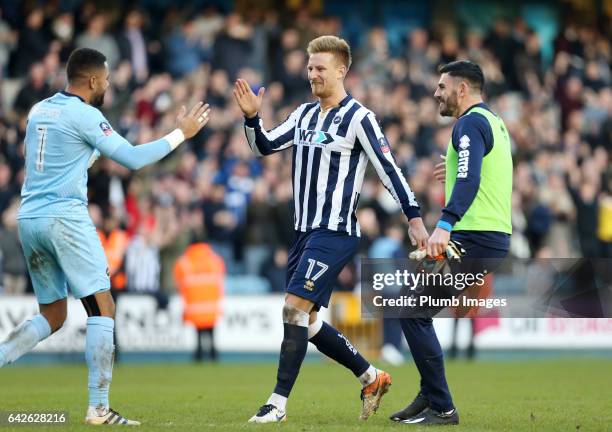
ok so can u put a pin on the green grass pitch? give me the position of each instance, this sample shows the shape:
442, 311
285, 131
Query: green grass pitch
539, 395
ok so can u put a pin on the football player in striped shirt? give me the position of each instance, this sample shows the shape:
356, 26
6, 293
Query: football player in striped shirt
332, 140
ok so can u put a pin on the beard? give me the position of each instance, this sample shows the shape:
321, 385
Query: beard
319, 90
449, 106
98, 100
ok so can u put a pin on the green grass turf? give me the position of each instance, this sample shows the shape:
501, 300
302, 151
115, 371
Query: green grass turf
539, 395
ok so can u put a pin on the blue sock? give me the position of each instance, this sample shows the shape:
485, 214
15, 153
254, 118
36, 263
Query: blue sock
99, 352
23, 338
429, 359
293, 351
335, 345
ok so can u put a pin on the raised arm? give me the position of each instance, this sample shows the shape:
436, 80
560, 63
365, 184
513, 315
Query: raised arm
262, 142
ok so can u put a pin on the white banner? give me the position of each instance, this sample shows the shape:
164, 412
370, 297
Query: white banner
556, 333
248, 324
251, 323
254, 324
530, 333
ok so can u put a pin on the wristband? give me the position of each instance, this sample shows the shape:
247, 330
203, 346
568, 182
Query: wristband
444, 225
175, 138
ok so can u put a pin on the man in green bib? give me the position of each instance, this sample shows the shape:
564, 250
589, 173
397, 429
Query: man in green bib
478, 191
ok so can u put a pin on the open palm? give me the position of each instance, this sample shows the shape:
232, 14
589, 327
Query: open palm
249, 102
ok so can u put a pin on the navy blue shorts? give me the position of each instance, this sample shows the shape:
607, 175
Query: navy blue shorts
484, 249
315, 260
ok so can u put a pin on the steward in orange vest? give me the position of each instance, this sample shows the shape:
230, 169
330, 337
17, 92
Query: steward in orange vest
199, 275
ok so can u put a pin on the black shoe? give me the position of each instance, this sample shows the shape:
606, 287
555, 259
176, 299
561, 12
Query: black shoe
430, 417
417, 406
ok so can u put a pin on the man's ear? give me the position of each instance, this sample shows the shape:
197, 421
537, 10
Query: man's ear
342, 72
92, 82
464, 88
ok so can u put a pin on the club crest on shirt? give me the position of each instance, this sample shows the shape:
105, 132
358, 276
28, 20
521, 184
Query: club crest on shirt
384, 144
337, 119
106, 128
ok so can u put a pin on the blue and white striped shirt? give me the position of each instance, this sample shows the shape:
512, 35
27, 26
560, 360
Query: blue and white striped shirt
330, 156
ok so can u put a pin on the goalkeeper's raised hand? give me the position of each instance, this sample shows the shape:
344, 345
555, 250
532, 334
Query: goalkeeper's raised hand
191, 122
249, 102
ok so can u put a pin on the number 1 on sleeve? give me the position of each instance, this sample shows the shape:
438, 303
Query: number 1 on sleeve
40, 155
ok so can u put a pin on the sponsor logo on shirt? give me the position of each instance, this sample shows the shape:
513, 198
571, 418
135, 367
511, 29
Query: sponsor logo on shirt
314, 138
384, 145
464, 157
106, 128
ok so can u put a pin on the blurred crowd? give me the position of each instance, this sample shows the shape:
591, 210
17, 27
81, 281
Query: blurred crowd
212, 189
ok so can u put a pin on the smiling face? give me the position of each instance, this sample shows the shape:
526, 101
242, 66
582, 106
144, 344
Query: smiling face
447, 95
325, 74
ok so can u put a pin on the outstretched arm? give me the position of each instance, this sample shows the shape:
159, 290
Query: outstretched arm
99, 134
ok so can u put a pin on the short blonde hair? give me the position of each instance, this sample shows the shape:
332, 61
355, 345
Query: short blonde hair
332, 44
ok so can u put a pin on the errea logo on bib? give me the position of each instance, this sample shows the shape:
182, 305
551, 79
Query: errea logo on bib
464, 157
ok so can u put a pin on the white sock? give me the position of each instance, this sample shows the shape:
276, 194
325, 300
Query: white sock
368, 376
278, 401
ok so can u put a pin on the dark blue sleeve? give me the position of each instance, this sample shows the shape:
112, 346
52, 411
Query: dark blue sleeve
473, 140
370, 135
264, 142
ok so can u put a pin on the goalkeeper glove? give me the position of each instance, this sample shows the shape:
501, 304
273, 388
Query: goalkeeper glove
441, 263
